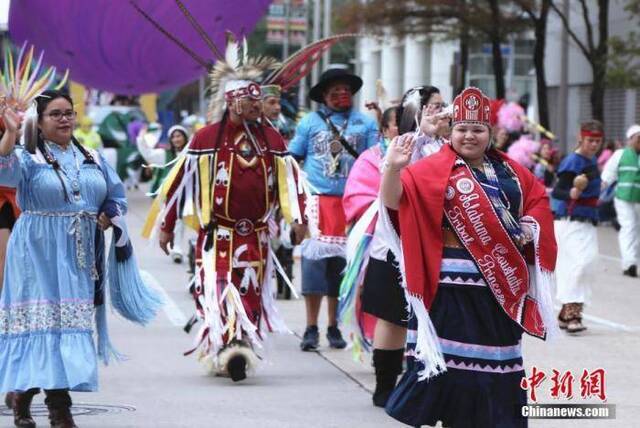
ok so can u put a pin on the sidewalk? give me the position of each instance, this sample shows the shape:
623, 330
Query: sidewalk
159, 387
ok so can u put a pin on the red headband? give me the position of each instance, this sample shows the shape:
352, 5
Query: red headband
252, 90
584, 133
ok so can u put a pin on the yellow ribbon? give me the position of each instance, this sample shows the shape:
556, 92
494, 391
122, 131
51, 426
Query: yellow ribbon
283, 189
162, 194
205, 188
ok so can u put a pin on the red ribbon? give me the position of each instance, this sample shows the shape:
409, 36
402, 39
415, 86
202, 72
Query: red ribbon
503, 267
584, 133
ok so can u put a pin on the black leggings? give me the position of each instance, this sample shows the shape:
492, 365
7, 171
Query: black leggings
7, 219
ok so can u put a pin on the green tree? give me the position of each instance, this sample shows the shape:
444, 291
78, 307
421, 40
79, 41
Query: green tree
624, 52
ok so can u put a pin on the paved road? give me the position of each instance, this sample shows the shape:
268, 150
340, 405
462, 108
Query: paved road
158, 387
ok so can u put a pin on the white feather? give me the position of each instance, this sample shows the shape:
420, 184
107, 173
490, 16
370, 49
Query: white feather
245, 51
231, 54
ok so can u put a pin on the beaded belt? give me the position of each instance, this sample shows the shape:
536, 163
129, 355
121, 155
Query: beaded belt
243, 227
82, 227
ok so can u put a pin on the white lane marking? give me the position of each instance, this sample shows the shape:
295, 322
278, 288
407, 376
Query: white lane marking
613, 259
611, 324
170, 308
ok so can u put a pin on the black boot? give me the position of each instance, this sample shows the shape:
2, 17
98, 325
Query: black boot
58, 402
631, 271
8, 400
388, 366
21, 405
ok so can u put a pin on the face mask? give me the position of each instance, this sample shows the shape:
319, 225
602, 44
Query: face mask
341, 101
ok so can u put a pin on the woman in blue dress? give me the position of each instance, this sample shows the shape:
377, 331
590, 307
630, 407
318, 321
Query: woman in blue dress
54, 268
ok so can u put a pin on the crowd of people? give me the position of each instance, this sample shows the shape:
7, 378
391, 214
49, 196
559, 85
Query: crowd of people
433, 230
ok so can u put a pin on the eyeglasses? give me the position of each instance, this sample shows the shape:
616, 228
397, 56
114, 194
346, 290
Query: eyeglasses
57, 115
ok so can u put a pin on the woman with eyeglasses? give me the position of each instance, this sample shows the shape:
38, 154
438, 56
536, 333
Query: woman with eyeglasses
382, 296
53, 282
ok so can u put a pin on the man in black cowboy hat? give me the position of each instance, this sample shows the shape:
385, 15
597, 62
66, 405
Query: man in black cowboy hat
328, 141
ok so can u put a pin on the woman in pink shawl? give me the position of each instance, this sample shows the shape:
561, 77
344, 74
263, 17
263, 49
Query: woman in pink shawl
369, 260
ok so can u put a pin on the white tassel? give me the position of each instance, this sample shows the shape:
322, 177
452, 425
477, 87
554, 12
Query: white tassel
244, 323
211, 305
428, 350
313, 249
542, 283
274, 259
268, 301
184, 186
389, 235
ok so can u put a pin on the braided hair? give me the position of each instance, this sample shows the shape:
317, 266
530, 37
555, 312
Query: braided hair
42, 101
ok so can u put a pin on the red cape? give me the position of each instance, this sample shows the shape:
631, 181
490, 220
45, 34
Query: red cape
421, 214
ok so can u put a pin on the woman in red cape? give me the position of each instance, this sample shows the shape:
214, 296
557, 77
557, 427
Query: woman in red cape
477, 255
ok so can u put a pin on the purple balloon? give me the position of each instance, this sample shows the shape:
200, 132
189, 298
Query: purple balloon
108, 45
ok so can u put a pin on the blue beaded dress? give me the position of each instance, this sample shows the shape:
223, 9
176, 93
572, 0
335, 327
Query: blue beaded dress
53, 262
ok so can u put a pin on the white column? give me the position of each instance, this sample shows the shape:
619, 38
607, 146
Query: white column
369, 72
442, 59
315, 73
326, 57
392, 65
415, 61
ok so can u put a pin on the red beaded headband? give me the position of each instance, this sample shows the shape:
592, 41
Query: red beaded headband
584, 133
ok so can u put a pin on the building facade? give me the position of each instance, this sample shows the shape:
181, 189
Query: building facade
403, 63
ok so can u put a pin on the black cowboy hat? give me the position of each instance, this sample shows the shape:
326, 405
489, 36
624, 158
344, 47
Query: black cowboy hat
333, 75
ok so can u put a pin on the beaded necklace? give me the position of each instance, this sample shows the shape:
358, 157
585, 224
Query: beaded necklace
73, 179
51, 160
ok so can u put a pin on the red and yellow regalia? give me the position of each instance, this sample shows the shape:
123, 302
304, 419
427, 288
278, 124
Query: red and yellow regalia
228, 184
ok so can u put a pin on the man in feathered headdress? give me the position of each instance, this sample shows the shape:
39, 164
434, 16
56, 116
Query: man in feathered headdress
233, 176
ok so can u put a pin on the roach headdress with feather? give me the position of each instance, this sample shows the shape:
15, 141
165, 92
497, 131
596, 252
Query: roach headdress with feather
236, 77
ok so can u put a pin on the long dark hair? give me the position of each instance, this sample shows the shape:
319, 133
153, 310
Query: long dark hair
387, 116
411, 106
184, 135
42, 101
